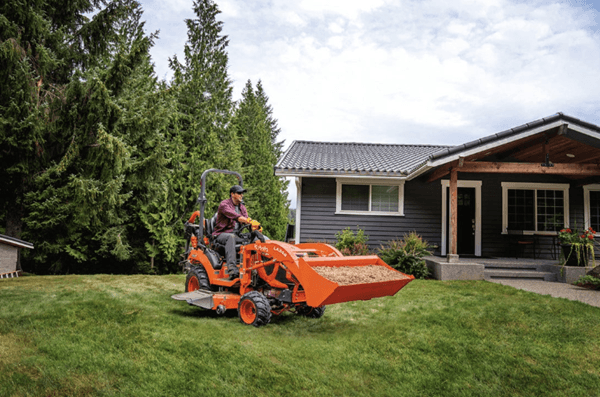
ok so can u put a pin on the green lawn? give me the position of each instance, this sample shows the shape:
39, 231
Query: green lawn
124, 336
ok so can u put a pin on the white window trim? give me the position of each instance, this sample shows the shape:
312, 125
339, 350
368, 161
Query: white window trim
369, 182
586, 204
298, 208
445, 210
533, 186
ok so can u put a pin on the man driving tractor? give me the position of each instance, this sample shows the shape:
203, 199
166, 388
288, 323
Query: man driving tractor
273, 276
232, 212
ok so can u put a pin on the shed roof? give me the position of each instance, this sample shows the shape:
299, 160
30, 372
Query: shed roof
15, 242
368, 159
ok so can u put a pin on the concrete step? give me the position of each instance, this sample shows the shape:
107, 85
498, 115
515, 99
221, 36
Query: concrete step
494, 274
524, 266
513, 266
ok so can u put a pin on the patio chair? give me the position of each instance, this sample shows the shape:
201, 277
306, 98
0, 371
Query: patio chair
518, 241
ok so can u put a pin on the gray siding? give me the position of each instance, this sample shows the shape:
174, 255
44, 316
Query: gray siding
9, 256
422, 209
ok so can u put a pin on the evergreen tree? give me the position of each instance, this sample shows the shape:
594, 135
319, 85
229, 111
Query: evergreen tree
201, 135
41, 44
97, 154
263, 100
257, 132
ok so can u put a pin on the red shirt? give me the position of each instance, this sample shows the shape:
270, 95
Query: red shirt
226, 216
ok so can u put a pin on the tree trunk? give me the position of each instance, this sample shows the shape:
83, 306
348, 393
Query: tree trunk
14, 220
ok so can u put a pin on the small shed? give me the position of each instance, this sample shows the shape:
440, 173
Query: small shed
10, 256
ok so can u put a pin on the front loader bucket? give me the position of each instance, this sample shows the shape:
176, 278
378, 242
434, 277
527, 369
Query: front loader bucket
328, 280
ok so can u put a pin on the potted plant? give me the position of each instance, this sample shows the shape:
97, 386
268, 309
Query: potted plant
577, 247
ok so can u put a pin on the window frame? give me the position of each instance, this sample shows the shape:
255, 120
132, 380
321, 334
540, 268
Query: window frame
370, 183
506, 186
586, 204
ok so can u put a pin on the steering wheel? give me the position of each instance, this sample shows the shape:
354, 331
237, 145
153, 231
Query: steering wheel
248, 234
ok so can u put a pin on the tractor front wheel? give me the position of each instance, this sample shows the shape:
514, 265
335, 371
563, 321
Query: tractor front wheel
197, 279
254, 309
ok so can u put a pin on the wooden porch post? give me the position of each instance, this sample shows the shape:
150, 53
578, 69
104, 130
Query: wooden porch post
453, 210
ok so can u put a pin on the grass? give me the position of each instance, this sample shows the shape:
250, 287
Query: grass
123, 336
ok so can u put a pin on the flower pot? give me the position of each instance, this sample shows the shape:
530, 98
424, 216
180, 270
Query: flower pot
575, 255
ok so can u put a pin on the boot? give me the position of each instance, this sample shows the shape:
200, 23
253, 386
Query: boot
233, 272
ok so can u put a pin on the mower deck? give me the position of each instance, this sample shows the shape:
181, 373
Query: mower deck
209, 300
199, 298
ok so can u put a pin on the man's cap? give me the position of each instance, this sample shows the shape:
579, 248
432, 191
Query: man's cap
237, 189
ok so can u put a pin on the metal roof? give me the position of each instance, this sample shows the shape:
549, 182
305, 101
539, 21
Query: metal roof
15, 242
355, 159
397, 160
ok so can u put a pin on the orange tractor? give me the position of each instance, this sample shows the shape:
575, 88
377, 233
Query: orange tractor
274, 276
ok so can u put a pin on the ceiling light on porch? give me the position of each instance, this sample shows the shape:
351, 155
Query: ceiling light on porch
570, 155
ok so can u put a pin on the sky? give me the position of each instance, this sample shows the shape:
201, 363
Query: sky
402, 71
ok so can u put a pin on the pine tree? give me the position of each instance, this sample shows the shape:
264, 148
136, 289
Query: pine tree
263, 100
39, 45
201, 135
98, 155
257, 132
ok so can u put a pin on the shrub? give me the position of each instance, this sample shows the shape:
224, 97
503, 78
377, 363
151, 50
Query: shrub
588, 281
350, 244
406, 255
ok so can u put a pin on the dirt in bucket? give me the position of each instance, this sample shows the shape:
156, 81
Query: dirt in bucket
347, 275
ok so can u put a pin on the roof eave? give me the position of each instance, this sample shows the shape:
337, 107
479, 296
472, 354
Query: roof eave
295, 172
418, 172
487, 144
15, 242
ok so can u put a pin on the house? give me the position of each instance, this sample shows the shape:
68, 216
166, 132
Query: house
10, 265
537, 178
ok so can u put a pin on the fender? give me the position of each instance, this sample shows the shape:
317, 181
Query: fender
197, 257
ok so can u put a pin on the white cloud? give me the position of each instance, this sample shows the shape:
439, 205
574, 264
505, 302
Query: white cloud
336, 42
348, 8
229, 7
164, 9
405, 71
337, 27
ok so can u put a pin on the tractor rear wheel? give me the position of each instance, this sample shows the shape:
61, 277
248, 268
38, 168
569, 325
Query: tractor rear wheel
254, 309
197, 279
311, 312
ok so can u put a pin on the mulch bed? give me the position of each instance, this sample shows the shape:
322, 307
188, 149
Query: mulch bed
589, 286
347, 275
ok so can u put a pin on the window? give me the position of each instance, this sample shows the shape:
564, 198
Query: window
355, 197
368, 197
595, 210
591, 203
535, 207
520, 209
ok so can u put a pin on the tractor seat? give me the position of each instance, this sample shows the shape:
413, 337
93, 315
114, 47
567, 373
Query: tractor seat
209, 226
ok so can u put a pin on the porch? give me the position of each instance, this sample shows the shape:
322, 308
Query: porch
490, 268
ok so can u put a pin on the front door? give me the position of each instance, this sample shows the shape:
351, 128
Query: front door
466, 221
